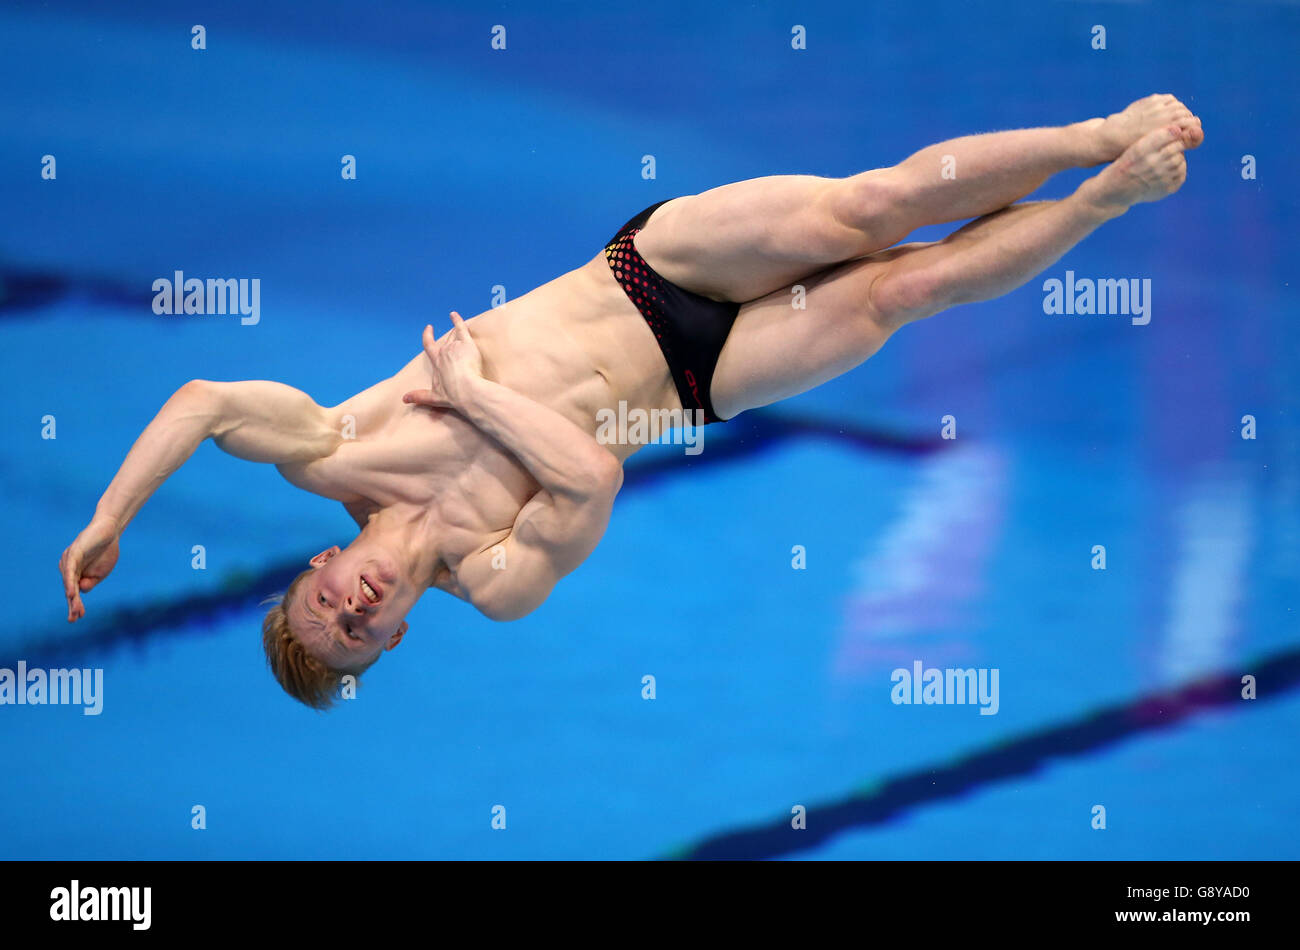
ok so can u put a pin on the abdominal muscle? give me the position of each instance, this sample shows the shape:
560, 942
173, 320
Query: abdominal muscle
575, 344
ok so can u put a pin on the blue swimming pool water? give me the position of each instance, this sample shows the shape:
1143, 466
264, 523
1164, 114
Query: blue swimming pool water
479, 168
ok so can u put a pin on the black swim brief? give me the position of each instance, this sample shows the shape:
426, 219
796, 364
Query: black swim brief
690, 329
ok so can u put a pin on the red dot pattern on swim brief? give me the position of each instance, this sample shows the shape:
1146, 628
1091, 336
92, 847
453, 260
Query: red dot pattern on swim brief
641, 284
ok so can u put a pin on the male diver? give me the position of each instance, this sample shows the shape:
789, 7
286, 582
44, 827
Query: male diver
475, 468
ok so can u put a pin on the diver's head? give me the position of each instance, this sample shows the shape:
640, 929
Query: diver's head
337, 618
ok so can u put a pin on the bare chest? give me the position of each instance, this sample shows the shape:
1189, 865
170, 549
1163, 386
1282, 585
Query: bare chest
431, 459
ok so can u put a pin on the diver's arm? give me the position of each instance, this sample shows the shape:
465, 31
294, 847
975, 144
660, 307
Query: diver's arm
256, 420
551, 536
560, 525
564, 459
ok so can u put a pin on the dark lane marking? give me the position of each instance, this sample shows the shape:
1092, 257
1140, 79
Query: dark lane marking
1275, 675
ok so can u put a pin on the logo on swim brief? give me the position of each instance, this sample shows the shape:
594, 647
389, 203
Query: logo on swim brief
179, 295
1126, 296
636, 426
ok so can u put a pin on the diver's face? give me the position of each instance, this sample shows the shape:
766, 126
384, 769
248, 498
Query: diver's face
350, 608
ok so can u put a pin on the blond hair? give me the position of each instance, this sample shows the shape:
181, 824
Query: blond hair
302, 675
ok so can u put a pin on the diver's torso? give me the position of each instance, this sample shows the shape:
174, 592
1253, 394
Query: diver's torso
576, 345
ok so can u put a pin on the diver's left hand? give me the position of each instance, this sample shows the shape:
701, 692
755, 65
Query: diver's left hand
456, 364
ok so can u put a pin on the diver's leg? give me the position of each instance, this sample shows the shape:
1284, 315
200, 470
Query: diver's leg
746, 239
776, 350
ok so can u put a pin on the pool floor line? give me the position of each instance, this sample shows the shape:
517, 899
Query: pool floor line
876, 804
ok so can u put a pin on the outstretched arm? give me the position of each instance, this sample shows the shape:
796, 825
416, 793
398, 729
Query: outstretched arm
256, 420
561, 524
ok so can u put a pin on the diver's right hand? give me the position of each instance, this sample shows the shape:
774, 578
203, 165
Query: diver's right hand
456, 363
87, 561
